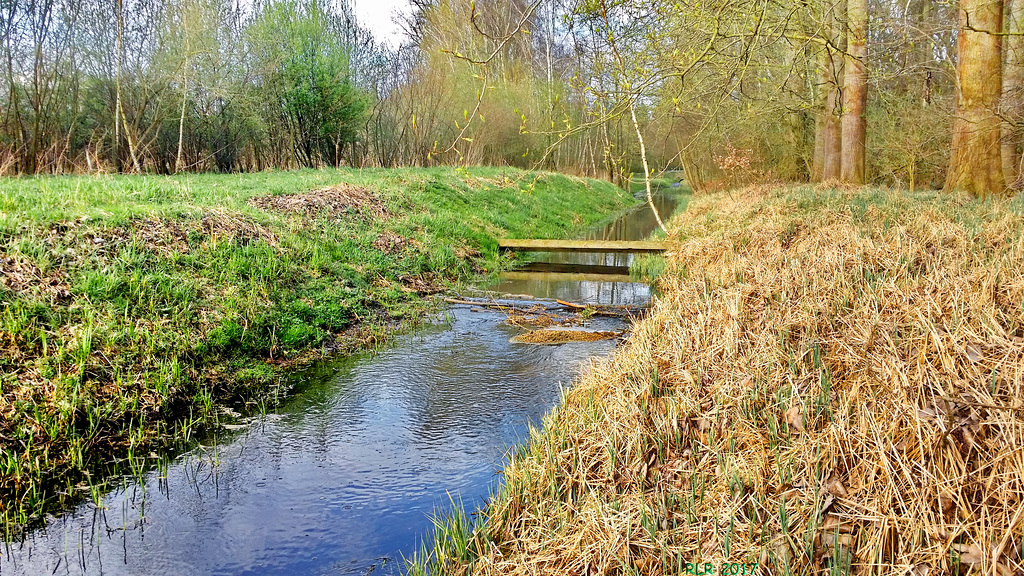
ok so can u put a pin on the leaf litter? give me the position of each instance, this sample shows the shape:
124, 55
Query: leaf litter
335, 201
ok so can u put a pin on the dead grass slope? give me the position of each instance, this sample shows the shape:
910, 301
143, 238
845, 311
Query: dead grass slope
832, 382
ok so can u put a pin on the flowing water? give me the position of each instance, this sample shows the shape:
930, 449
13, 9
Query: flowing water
343, 478
582, 287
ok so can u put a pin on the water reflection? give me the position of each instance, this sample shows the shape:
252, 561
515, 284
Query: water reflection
636, 225
341, 479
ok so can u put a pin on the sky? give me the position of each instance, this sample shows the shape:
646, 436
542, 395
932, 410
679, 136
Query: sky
378, 16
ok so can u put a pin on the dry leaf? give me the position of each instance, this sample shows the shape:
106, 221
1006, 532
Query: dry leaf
969, 553
832, 524
974, 353
795, 419
843, 539
782, 551
945, 504
834, 486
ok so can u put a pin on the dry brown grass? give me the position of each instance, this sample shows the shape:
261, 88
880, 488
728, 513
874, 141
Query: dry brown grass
165, 236
538, 316
832, 382
20, 275
563, 335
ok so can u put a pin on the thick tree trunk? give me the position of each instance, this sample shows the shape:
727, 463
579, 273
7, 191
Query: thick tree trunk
975, 164
855, 93
1013, 94
833, 70
692, 173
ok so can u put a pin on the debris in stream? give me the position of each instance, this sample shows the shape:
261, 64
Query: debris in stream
544, 323
507, 306
564, 335
532, 320
538, 316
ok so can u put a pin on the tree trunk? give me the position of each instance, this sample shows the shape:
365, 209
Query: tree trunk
796, 166
923, 51
131, 143
692, 173
855, 93
1013, 94
820, 89
647, 170
833, 148
818, 162
975, 164
179, 164
117, 99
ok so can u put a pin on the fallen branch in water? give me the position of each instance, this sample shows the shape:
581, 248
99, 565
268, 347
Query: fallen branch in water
594, 309
499, 305
602, 309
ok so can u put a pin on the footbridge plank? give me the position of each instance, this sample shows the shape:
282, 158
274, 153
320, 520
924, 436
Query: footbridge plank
618, 246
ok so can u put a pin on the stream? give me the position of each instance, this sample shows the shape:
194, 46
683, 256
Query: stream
344, 476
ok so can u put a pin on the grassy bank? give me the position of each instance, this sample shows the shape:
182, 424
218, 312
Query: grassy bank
830, 383
133, 306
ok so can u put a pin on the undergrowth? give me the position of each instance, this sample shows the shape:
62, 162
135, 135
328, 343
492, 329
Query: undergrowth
133, 307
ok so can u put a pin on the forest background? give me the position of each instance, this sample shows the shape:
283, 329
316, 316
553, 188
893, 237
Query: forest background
909, 93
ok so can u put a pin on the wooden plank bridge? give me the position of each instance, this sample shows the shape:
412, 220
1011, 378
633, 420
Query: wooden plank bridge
614, 246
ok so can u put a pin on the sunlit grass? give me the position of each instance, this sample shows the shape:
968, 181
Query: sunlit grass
133, 305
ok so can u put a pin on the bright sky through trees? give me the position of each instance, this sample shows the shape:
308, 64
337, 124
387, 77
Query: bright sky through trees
379, 17
864, 91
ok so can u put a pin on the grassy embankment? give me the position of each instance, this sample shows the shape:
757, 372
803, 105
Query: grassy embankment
131, 306
832, 382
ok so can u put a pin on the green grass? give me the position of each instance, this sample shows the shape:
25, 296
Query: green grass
131, 306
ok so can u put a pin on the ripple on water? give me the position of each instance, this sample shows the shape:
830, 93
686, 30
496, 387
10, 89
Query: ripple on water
343, 475
342, 478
